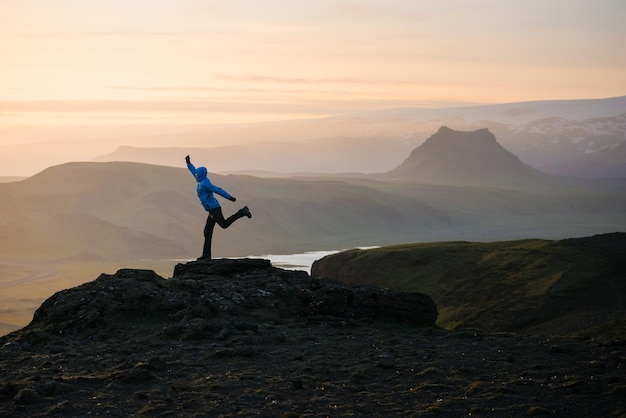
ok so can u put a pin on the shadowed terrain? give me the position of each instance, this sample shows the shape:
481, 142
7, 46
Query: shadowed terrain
565, 287
242, 338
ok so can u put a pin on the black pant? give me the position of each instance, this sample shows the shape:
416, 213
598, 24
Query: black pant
216, 217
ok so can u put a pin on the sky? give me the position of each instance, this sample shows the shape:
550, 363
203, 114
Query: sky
191, 61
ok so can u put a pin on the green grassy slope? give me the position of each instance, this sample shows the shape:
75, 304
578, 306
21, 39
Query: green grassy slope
572, 286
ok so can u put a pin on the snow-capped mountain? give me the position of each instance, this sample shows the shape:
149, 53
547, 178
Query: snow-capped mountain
583, 148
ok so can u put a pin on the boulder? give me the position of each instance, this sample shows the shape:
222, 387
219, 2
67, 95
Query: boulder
206, 298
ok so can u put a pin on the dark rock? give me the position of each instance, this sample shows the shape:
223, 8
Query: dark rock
156, 363
259, 341
136, 375
27, 396
8, 391
537, 410
215, 298
48, 388
63, 408
385, 362
57, 349
222, 267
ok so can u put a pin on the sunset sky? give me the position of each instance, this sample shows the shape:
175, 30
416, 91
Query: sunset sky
120, 61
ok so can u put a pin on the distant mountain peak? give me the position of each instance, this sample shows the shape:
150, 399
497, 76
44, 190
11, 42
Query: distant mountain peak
448, 136
445, 129
464, 157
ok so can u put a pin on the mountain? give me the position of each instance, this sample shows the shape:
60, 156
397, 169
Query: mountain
580, 138
129, 210
444, 190
556, 287
320, 155
10, 179
593, 148
242, 338
456, 157
517, 113
93, 211
89, 217
366, 142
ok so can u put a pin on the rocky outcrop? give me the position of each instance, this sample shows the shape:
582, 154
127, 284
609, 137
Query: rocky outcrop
204, 298
241, 338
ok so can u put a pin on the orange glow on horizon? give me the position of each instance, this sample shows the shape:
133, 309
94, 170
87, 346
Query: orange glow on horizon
240, 62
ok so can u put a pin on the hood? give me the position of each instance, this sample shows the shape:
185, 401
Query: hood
201, 173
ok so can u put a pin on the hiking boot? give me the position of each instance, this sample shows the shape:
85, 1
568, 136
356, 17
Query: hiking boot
246, 212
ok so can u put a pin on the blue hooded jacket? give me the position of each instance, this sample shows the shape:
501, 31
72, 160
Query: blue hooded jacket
206, 189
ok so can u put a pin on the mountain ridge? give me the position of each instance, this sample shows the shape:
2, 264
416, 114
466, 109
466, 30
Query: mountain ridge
359, 142
558, 146
157, 204
461, 157
516, 112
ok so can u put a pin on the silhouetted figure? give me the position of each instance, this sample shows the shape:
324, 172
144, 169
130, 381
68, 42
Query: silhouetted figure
205, 193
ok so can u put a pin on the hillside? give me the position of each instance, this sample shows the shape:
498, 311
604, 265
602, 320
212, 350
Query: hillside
95, 211
10, 179
130, 211
557, 287
457, 157
242, 338
592, 148
319, 155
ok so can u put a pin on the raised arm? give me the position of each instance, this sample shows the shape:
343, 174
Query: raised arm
190, 166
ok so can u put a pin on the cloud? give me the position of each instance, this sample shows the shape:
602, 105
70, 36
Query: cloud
232, 91
111, 34
267, 105
297, 80
356, 10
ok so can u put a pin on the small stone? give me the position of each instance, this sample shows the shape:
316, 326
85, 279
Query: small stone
57, 349
61, 408
538, 410
27, 396
386, 363
137, 375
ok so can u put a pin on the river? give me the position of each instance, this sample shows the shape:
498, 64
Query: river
302, 261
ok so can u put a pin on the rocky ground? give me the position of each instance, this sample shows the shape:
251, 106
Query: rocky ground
241, 338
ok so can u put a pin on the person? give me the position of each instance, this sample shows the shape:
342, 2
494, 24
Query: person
206, 191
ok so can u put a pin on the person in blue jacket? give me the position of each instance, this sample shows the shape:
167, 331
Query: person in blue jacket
206, 191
